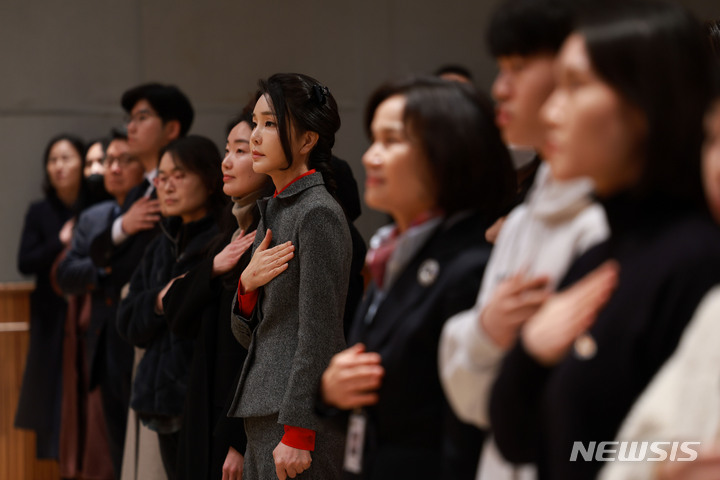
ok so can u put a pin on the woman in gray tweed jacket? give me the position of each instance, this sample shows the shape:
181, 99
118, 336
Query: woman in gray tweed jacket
291, 296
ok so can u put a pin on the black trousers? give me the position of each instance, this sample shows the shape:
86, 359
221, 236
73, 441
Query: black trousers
168, 452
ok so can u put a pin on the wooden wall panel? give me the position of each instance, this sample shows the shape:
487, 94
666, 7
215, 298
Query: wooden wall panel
17, 448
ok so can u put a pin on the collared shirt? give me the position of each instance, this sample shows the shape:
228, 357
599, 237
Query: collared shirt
118, 234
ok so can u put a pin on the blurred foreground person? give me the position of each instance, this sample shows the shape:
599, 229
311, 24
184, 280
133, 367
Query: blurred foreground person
557, 221
588, 352
438, 167
682, 403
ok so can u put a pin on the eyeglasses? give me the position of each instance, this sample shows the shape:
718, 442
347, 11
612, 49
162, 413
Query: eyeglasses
162, 180
139, 117
122, 160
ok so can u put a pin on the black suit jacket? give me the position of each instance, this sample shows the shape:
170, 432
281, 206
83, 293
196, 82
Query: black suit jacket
124, 258
108, 356
412, 432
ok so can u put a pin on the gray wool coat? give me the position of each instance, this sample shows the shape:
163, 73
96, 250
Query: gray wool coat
301, 309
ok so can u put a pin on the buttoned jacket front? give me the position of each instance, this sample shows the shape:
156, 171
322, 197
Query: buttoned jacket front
301, 310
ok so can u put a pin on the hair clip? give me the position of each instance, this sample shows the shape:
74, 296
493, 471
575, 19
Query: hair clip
321, 93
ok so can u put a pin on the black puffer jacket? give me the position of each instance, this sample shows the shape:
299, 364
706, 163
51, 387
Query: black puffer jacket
161, 379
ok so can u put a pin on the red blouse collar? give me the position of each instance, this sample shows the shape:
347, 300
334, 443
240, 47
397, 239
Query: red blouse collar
309, 172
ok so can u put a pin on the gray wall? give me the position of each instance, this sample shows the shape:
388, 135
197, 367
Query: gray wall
65, 65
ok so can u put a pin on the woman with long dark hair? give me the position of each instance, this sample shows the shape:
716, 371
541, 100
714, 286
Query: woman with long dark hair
634, 80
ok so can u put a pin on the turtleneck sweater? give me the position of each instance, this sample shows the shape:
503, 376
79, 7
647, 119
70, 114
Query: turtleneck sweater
242, 210
669, 257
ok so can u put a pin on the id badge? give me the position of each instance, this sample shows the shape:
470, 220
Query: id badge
355, 442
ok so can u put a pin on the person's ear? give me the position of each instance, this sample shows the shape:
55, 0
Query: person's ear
172, 130
309, 140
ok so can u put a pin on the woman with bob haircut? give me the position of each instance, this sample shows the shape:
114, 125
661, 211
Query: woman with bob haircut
291, 296
189, 188
438, 167
634, 80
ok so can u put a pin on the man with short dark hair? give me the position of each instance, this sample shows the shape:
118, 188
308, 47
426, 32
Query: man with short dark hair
156, 115
524, 37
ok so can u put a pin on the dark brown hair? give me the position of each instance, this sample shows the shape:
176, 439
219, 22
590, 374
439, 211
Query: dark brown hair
200, 156
455, 127
301, 101
656, 55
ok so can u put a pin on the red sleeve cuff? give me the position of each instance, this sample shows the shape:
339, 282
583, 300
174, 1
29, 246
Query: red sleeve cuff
298, 437
247, 301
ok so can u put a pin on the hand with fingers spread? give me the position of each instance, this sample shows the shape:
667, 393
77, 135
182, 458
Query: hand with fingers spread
266, 264
142, 215
229, 256
290, 461
233, 467
352, 378
549, 334
513, 302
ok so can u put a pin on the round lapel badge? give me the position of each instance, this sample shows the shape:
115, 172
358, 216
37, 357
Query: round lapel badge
585, 346
428, 272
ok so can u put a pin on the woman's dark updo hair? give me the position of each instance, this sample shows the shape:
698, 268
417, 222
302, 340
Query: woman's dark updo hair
656, 55
79, 146
200, 156
305, 103
455, 128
